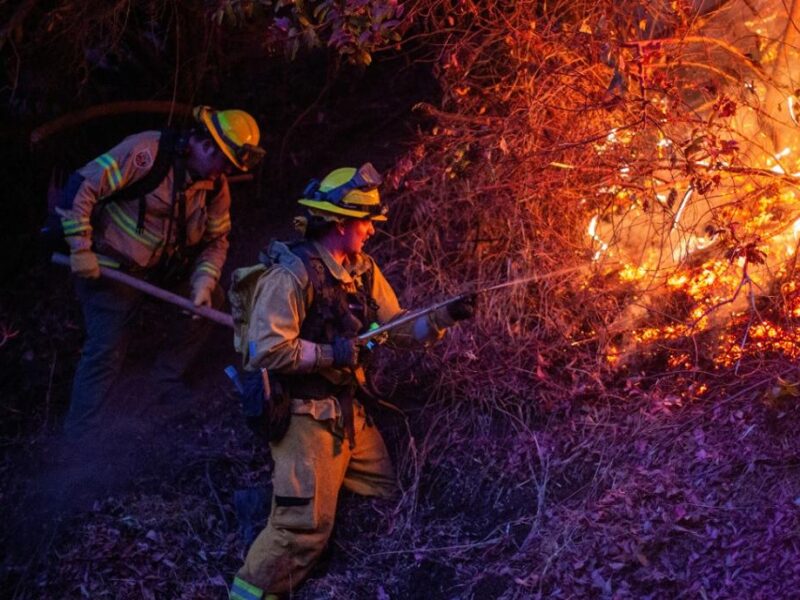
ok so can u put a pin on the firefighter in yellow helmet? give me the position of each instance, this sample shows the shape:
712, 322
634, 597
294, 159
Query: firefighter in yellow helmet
235, 133
297, 316
158, 206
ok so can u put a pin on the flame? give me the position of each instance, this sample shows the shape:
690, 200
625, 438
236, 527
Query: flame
701, 211
723, 285
684, 201
791, 102
592, 231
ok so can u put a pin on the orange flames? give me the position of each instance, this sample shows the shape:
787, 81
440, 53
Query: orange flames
723, 274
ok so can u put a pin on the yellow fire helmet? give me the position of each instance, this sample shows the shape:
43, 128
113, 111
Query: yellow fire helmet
346, 192
235, 132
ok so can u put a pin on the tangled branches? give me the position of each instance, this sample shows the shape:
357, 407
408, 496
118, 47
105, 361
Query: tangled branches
619, 140
354, 28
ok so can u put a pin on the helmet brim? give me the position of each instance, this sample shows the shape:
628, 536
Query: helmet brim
331, 208
205, 118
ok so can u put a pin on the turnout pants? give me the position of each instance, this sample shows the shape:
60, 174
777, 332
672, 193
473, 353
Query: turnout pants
109, 312
311, 466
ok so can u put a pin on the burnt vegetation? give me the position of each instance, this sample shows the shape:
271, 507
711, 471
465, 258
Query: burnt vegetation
620, 424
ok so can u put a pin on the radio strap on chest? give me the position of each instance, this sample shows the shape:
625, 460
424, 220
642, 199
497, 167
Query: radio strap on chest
334, 312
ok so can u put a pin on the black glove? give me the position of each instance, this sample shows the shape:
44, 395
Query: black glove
345, 352
463, 308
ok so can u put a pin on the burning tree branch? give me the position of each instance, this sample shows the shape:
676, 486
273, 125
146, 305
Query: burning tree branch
633, 146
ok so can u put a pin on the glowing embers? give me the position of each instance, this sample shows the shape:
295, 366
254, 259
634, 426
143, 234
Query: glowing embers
698, 227
715, 281
790, 294
726, 337
632, 273
713, 311
761, 339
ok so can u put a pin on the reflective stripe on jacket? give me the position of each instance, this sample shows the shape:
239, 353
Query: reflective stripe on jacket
112, 228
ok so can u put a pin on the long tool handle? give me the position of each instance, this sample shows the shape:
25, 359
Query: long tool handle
148, 288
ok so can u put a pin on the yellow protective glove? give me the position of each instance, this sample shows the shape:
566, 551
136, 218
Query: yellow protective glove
84, 264
201, 290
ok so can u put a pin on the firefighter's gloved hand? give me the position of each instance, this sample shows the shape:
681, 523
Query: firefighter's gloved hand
202, 288
463, 308
345, 352
84, 264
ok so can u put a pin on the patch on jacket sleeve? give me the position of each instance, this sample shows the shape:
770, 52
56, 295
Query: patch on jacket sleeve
143, 159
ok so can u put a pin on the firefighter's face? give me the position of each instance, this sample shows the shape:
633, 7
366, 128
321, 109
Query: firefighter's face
355, 232
207, 161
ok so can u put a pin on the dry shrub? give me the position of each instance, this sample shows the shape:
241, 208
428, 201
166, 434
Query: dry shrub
607, 150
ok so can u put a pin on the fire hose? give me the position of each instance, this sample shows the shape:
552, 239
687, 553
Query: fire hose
416, 314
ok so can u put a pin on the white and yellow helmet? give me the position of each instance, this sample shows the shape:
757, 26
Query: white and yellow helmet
346, 192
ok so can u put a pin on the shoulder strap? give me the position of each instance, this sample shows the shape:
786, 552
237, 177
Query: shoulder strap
316, 271
167, 149
367, 281
165, 155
